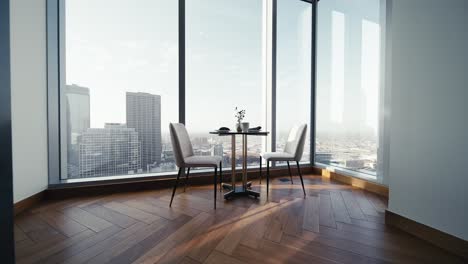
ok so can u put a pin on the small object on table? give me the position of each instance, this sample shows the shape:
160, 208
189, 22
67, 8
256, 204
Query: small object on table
245, 126
223, 130
255, 129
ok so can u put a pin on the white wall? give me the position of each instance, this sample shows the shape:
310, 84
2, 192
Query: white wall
29, 97
428, 169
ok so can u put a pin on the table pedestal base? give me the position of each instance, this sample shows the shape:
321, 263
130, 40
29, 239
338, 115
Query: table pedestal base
239, 191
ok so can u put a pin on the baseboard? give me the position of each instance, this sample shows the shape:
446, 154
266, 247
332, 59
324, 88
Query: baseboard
436, 237
29, 202
356, 182
129, 185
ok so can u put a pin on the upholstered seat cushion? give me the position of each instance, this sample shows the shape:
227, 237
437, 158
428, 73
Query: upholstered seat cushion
202, 161
278, 156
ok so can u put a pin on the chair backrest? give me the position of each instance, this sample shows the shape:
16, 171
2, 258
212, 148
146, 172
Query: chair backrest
181, 144
296, 141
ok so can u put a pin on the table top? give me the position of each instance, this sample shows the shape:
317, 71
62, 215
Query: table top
253, 133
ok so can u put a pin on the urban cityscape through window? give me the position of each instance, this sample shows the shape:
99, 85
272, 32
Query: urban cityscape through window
119, 85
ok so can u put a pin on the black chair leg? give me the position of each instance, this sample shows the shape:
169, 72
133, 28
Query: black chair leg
175, 186
215, 184
290, 174
186, 178
221, 176
260, 169
300, 175
268, 176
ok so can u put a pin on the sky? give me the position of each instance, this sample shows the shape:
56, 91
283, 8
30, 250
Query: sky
115, 46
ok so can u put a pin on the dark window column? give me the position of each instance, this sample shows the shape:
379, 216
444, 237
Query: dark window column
7, 252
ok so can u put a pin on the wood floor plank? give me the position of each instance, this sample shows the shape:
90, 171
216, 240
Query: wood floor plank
294, 224
326, 214
132, 212
62, 223
327, 252
26, 243
176, 207
359, 249
376, 201
87, 219
39, 255
19, 234
217, 257
311, 214
192, 201
176, 243
116, 249
188, 260
146, 206
84, 244
369, 224
29, 222
398, 242
339, 208
216, 229
112, 216
43, 235
22, 252
235, 235
366, 246
102, 246
278, 222
195, 247
366, 206
256, 229
136, 251
377, 219
164, 211
353, 207
271, 252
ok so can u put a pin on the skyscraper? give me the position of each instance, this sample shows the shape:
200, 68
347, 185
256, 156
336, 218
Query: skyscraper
144, 115
78, 108
112, 150
77, 121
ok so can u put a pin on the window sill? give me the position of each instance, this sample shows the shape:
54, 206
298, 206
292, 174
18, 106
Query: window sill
159, 177
347, 172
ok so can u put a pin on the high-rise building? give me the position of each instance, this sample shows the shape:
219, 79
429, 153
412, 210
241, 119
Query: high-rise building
77, 121
112, 150
144, 115
218, 150
78, 108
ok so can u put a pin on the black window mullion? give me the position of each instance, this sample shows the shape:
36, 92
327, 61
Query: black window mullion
182, 61
273, 74
313, 83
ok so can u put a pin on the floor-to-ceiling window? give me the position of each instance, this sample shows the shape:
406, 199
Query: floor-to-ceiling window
118, 69
118, 86
348, 84
224, 70
293, 73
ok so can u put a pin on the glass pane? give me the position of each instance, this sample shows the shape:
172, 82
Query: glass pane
348, 88
223, 71
119, 86
293, 87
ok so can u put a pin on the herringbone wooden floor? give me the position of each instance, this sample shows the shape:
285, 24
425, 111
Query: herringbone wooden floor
335, 223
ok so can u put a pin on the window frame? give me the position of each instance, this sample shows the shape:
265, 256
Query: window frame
55, 73
383, 139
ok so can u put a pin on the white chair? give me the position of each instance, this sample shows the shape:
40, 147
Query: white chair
184, 157
292, 152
